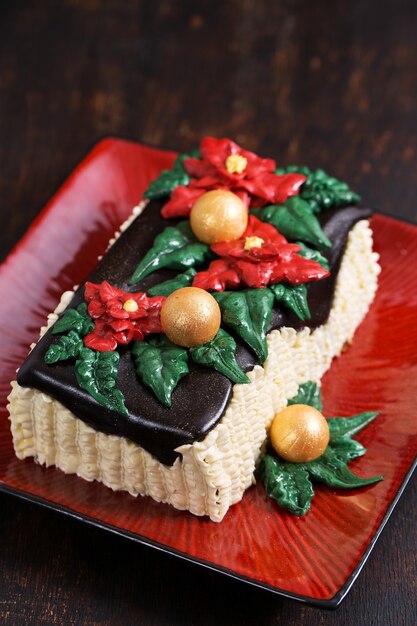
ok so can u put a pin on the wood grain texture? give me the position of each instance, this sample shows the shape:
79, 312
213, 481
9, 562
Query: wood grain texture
326, 85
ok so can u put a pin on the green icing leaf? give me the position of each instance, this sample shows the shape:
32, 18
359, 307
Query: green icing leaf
294, 297
75, 319
295, 220
287, 483
340, 426
68, 347
341, 431
322, 191
347, 448
308, 393
332, 470
167, 287
248, 313
313, 255
96, 373
168, 180
176, 248
219, 354
160, 365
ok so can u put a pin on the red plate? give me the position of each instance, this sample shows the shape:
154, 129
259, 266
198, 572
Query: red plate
315, 558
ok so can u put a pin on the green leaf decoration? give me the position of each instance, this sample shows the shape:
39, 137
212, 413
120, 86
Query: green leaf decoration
96, 373
168, 180
175, 248
160, 365
349, 426
68, 347
295, 220
308, 393
288, 483
320, 190
346, 448
248, 313
313, 255
332, 470
75, 319
219, 354
294, 297
341, 431
167, 287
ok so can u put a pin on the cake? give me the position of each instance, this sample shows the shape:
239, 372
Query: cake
105, 395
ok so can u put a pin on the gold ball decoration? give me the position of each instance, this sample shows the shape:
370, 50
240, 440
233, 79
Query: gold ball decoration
218, 215
190, 317
299, 433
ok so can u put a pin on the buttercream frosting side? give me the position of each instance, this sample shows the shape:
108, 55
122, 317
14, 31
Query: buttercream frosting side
212, 474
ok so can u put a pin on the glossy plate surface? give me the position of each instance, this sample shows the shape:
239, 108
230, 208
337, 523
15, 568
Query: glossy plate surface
315, 558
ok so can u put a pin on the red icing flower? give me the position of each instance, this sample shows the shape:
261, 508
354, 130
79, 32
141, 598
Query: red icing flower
119, 316
261, 257
225, 165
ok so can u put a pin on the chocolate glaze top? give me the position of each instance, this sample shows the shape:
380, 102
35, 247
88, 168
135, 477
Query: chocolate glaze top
201, 397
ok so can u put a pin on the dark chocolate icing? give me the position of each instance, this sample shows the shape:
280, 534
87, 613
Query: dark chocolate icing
201, 397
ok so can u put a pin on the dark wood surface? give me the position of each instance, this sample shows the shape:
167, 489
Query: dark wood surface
326, 84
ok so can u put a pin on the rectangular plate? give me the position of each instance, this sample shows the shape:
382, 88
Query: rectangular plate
315, 558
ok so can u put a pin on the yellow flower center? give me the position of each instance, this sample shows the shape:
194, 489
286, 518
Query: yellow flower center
236, 164
130, 306
253, 242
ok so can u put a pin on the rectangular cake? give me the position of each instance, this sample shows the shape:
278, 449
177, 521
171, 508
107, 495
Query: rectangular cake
104, 395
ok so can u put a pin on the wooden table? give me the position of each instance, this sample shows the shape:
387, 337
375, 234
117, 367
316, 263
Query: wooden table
327, 84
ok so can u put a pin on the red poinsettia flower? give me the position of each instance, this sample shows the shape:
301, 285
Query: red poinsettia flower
119, 316
225, 165
262, 256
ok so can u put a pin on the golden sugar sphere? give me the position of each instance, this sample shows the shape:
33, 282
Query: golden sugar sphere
299, 433
190, 317
218, 215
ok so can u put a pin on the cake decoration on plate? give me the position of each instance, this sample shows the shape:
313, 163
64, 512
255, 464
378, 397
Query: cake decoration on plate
315, 448
234, 285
